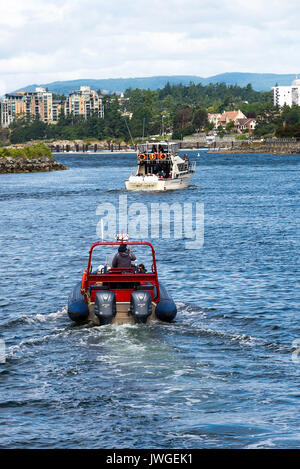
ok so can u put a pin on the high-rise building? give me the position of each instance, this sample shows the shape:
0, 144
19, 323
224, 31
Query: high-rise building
40, 104
44, 104
13, 106
26, 104
84, 102
57, 107
287, 95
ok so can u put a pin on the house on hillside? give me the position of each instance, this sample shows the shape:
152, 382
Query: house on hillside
246, 124
214, 119
241, 122
230, 116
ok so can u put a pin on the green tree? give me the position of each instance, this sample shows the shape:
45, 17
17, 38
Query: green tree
229, 126
200, 118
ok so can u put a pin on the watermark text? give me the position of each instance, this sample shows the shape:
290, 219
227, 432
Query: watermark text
156, 220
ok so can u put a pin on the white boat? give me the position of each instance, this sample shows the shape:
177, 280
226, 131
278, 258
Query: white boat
160, 168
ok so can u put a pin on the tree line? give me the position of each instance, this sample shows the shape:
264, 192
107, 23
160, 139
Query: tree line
177, 110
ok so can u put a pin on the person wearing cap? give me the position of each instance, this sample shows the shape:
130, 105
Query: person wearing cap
142, 269
123, 257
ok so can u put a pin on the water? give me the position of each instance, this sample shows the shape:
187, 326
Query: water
221, 376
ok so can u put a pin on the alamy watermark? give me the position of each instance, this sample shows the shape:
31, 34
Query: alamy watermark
2, 351
296, 351
155, 220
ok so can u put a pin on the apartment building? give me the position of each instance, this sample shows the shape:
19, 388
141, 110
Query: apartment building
12, 106
287, 95
40, 104
57, 107
84, 102
25, 104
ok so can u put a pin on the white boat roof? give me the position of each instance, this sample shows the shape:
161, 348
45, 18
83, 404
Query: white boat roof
167, 147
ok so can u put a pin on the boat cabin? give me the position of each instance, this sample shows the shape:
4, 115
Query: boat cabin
156, 159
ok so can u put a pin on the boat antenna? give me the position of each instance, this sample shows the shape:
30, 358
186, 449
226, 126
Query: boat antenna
102, 230
129, 132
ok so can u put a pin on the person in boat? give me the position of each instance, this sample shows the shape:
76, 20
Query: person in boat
123, 257
142, 269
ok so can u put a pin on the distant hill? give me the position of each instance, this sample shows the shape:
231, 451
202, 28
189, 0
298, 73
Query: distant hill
116, 84
259, 81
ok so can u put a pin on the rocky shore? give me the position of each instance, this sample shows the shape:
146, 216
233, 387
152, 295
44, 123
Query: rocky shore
36, 158
292, 149
228, 144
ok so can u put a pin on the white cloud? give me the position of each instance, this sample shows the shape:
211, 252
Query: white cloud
46, 40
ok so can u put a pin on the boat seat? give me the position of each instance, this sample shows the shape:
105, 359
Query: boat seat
122, 270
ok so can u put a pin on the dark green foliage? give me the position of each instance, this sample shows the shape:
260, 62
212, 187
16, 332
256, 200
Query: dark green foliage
264, 128
290, 131
291, 116
32, 152
4, 136
185, 107
283, 124
209, 95
229, 126
24, 131
200, 118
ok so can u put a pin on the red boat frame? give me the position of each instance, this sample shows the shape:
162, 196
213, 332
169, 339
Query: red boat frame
120, 275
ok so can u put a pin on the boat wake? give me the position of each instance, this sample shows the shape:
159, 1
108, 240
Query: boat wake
33, 319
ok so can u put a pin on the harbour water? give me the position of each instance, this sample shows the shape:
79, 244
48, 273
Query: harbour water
225, 374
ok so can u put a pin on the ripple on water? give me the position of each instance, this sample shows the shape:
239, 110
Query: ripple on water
221, 375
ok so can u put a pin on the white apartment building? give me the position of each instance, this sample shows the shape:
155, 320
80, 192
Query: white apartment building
287, 95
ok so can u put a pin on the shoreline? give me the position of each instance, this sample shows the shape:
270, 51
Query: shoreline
99, 152
22, 165
268, 151
206, 150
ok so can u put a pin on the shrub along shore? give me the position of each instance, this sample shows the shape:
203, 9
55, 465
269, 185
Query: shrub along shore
34, 158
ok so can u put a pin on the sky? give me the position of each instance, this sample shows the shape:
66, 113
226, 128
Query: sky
49, 40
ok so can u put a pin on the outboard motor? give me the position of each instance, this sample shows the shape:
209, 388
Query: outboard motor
140, 306
105, 306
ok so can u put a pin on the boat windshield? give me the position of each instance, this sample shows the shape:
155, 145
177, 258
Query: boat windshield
103, 256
